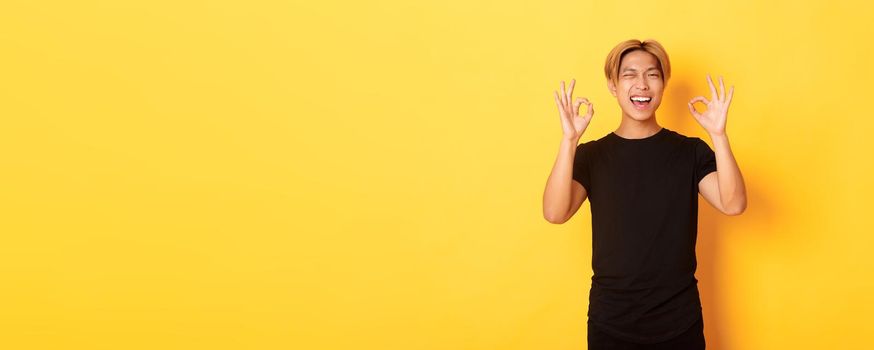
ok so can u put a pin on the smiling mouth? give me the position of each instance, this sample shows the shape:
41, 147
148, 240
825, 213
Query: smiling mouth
640, 102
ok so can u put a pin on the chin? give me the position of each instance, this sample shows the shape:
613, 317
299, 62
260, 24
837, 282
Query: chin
640, 115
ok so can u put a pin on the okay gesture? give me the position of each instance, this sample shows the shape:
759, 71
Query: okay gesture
713, 118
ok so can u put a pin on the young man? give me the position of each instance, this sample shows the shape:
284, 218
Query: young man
642, 181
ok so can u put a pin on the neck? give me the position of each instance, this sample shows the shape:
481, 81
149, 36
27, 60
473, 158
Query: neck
631, 128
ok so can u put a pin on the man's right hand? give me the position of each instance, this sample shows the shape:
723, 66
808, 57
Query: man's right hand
573, 125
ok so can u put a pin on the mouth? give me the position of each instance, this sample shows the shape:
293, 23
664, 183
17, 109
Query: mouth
640, 102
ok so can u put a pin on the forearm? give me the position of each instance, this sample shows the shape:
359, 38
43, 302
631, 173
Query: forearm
557, 195
732, 191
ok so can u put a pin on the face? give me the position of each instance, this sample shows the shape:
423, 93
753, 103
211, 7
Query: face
639, 79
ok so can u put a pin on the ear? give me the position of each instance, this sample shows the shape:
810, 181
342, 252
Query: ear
612, 87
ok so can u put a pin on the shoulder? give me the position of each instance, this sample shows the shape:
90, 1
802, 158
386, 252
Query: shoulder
594, 144
679, 136
691, 141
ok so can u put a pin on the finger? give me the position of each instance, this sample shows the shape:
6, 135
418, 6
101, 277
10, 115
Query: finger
730, 93
558, 103
570, 91
721, 89
577, 104
692, 105
699, 99
563, 95
712, 87
591, 110
693, 111
585, 101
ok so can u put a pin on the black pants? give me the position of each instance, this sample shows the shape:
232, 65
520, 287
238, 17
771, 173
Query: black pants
692, 339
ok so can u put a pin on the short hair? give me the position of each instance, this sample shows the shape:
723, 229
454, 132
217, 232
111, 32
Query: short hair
614, 58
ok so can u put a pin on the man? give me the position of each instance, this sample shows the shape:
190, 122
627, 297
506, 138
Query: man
642, 181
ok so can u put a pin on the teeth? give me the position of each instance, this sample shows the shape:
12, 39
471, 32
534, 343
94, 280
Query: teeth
641, 99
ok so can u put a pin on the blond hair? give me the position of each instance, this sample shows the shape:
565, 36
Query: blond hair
614, 58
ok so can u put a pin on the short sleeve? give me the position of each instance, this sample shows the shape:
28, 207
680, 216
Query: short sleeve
705, 160
581, 165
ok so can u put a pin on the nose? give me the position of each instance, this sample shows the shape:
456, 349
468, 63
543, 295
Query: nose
641, 84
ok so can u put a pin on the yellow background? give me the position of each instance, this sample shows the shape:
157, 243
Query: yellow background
369, 175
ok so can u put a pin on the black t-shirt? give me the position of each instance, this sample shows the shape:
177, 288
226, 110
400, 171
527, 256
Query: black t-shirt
644, 200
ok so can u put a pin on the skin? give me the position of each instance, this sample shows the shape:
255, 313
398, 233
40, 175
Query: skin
639, 74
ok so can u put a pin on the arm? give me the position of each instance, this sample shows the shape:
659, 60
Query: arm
563, 196
724, 189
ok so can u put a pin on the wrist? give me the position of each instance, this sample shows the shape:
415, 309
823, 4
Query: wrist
718, 135
570, 140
